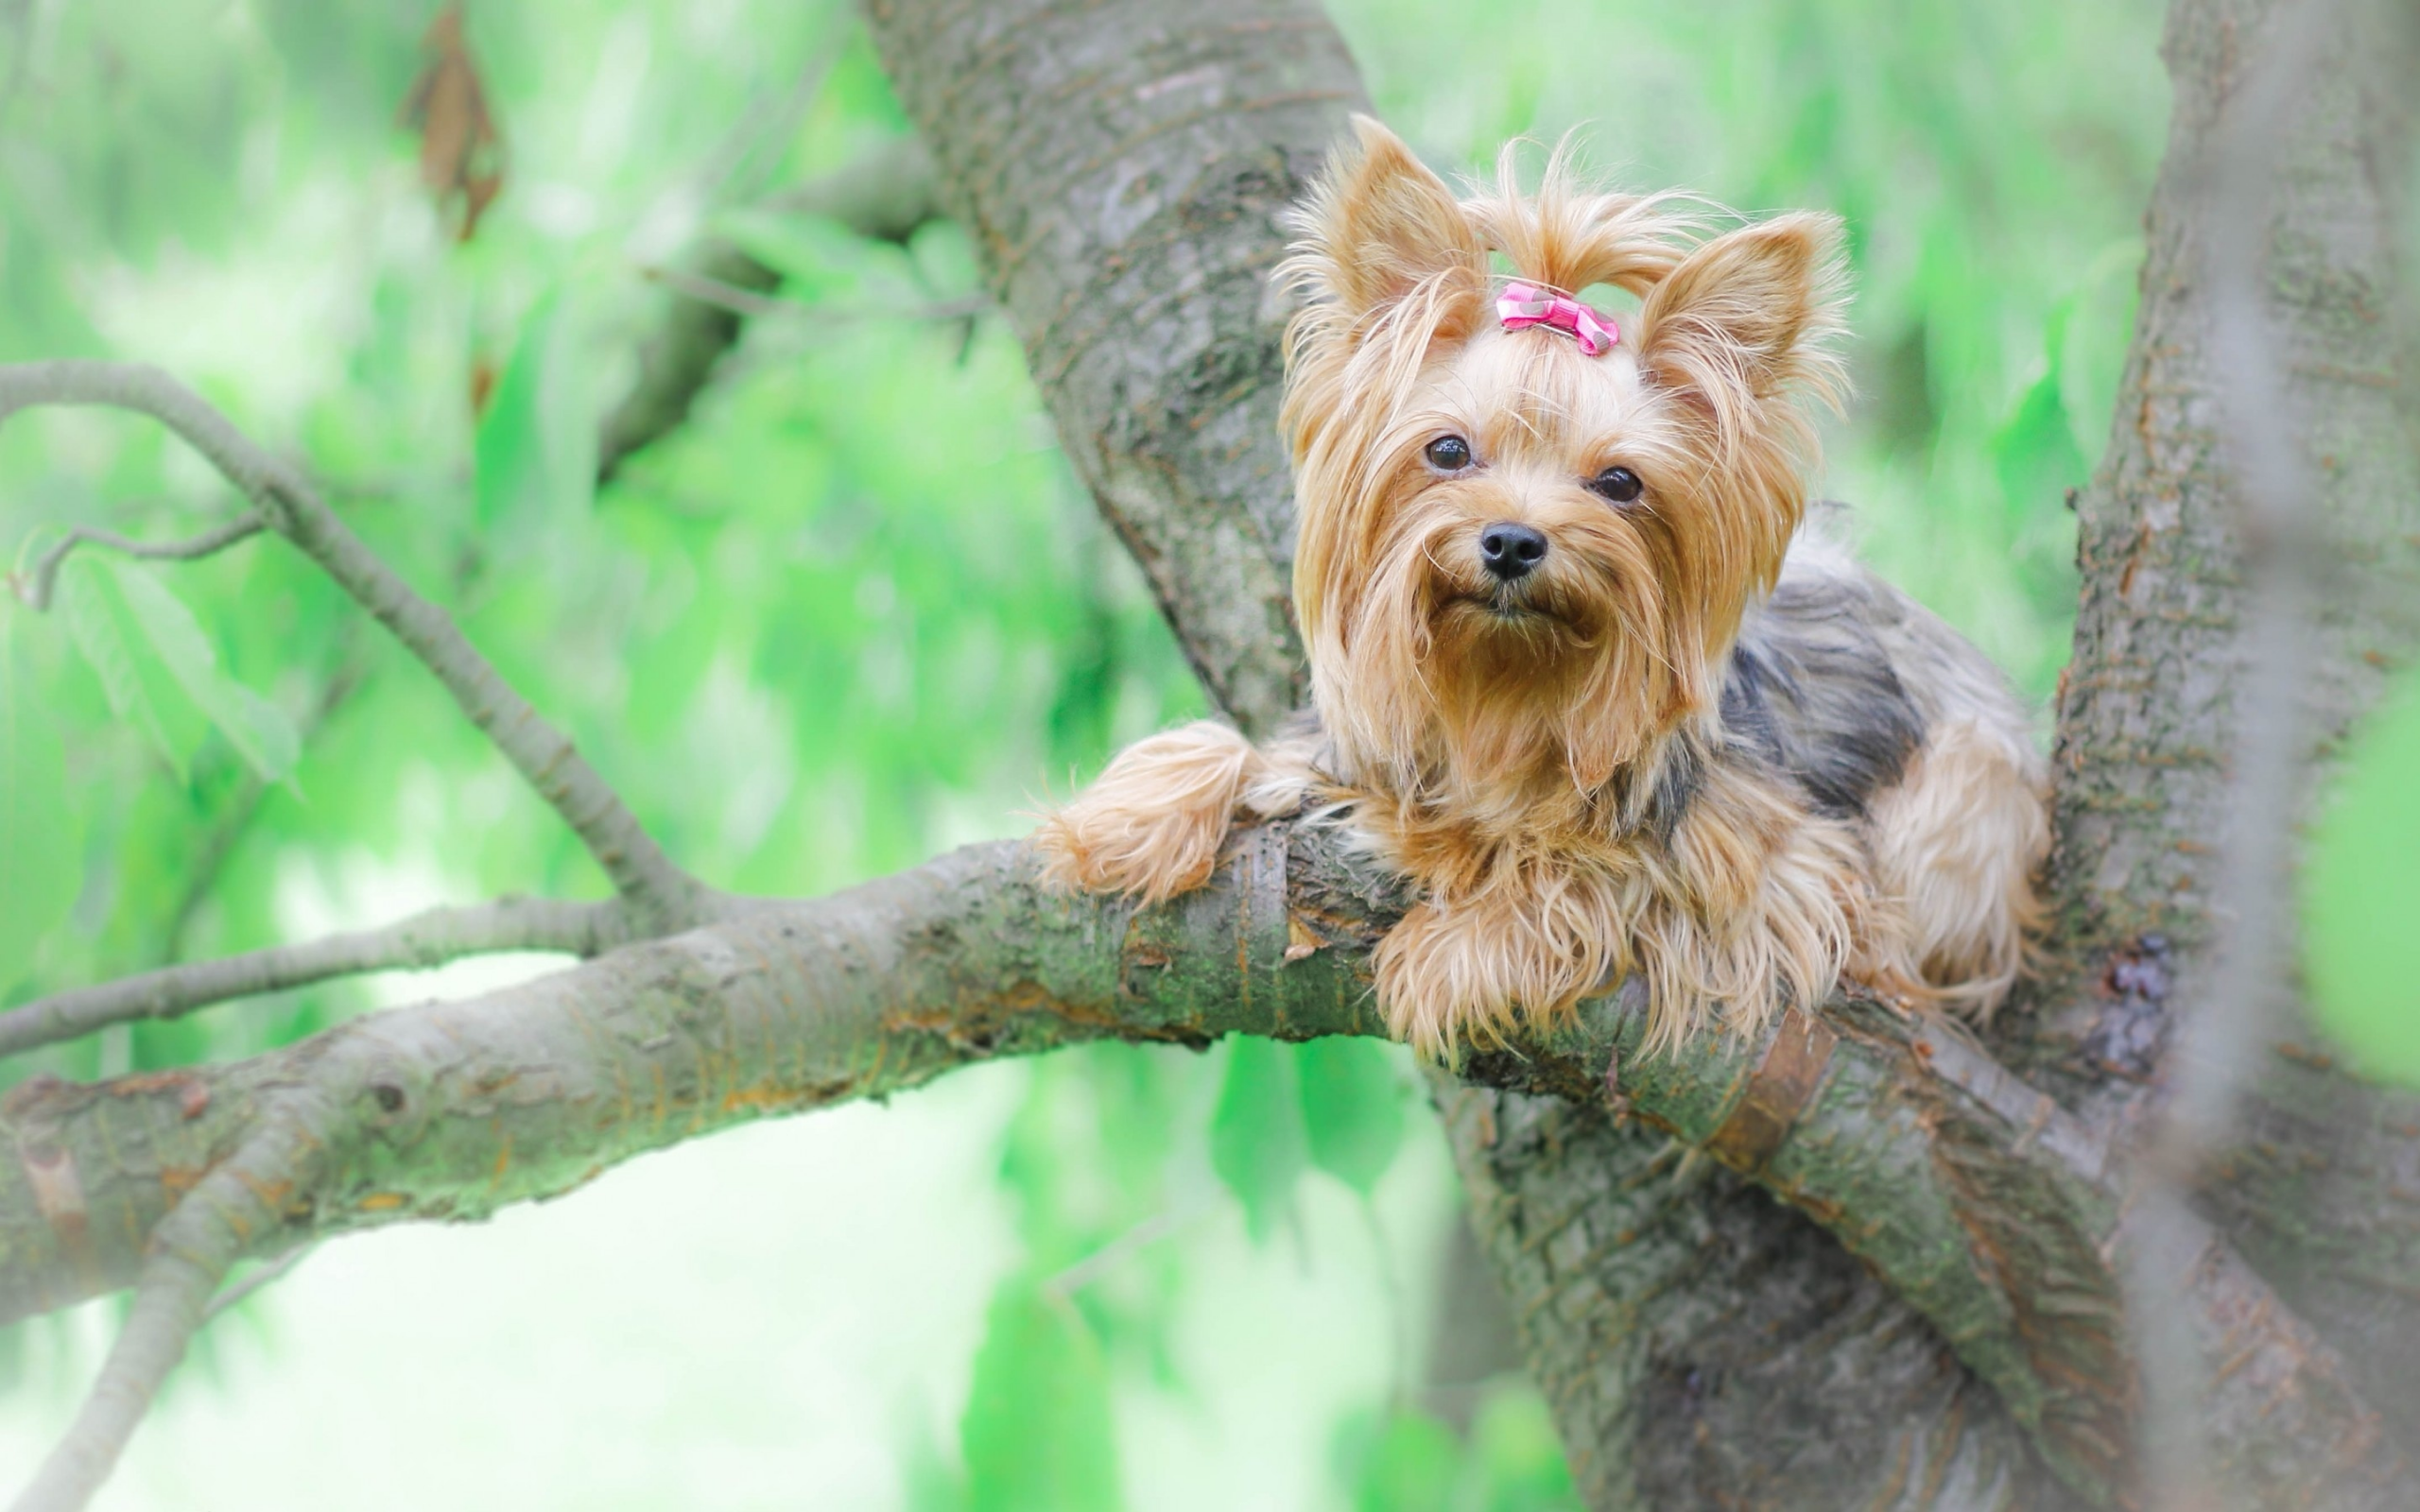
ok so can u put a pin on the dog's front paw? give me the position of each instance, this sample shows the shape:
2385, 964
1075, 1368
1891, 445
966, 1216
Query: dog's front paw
1150, 853
1469, 975
1152, 826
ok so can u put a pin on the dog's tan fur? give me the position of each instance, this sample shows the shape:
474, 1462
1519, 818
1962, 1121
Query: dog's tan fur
1681, 749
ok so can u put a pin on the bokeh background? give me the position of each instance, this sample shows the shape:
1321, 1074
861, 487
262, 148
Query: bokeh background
853, 612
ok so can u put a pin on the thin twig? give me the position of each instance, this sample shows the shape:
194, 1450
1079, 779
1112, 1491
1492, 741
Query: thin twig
258, 1282
2283, 556
1150, 1232
756, 307
191, 1252
199, 876
17, 23
423, 940
883, 195
1396, 1298
36, 588
706, 289
777, 120
640, 871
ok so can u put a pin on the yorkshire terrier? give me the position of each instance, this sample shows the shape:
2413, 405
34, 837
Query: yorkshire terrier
1578, 672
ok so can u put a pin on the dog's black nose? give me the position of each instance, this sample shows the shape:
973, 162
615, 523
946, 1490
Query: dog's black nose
1510, 551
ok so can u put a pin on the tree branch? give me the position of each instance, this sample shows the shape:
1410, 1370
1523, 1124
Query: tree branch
1126, 224
257, 1282
1974, 1197
640, 873
2284, 556
423, 940
189, 1254
1705, 1347
884, 195
36, 589
2312, 1179
760, 306
2216, 1052
1121, 170
1142, 312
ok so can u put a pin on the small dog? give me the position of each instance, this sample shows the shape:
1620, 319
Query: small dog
1578, 672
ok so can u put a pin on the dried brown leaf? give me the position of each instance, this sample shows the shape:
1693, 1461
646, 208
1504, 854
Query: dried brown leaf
461, 153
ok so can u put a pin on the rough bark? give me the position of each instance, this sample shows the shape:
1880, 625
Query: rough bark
1080, 81
2318, 1191
2145, 707
1968, 1194
1727, 1353
1112, 157
1121, 168
451, 1110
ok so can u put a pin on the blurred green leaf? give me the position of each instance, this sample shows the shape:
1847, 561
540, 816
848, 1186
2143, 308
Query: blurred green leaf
1353, 1113
40, 862
1038, 1435
1509, 1460
2361, 894
2035, 450
929, 1483
534, 455
139, 688
2098, 327
808, 251
1398, 1461
1086, 1167
1257, 1139
257, 729
1516, 1454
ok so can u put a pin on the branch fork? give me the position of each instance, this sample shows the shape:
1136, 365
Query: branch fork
646, 878
1978, 1202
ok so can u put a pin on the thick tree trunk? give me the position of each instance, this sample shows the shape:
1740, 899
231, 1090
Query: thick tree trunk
1121, 169
1644, 1305
1706, 1347
1930, 1322
2317, 1191
1107, 159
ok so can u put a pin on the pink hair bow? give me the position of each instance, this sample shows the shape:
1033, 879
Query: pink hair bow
1522, 306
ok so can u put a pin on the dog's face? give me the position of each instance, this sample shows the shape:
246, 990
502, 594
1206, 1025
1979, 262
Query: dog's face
1518, 562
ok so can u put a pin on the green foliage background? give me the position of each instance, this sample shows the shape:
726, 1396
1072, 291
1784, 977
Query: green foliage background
856, 610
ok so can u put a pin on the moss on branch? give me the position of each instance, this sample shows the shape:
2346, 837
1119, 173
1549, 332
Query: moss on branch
1970, 1194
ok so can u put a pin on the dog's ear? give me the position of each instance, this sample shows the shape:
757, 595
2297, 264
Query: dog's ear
1377, 224
1749, 316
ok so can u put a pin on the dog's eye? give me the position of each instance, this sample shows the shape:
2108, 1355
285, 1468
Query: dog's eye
1616, 485
1448, 454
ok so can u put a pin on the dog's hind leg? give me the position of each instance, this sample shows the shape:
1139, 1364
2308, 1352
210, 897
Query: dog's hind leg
1955, 845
